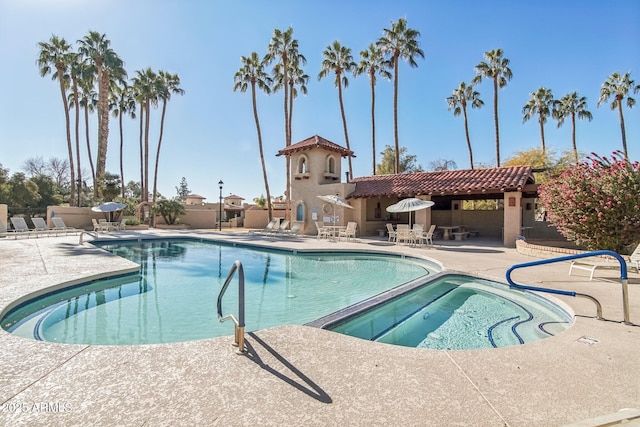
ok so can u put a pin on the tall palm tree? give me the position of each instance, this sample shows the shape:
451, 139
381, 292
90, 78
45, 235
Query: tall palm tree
88, 101
400, 42
338, 60
618, 86
540, 104
54, 59
568, 106
95, 48
252, 74
144, 86
373, 63
125, 105
497, 69
75, 72
166, 85
458, 100
284, 48
297, 79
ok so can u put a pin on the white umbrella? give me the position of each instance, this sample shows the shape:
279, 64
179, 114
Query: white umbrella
335, 200
410, 205
109, 207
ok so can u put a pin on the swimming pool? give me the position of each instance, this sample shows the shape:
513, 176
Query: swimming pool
173, 297
452, 312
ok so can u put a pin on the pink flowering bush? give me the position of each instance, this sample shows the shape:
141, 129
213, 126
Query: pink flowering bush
596, 203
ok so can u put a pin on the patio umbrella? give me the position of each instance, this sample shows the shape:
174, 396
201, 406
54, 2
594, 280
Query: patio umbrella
410, 205
335, 200
109, 208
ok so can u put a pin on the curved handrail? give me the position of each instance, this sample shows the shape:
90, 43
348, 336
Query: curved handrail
623, 278
90, 233
239, 322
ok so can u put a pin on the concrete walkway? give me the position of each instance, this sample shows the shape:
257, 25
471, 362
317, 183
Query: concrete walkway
302, 376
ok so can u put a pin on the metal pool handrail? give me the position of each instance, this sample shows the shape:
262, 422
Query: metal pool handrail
623, 279
239, 322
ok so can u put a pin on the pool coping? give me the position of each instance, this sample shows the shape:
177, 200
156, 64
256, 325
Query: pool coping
300, 375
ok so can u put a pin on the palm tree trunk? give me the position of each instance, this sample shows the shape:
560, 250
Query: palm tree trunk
146, 151
86, 134
624, 136
542, 136
264, 168
103, 123
287, 134
344, 125
395, 113
141, 153
121, 153
155, 171
373, 123
495, 120
573, 137
72, 171
77, 107
466, 132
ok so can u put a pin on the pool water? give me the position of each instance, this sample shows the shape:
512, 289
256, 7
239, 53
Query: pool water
174, 296
457, 312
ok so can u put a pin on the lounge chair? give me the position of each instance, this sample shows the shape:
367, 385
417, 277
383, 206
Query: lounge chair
295, 229
634, 259
349, 232
20, 226
4, 232
393, 234
59, 225
273, 224
41, 226
282, 228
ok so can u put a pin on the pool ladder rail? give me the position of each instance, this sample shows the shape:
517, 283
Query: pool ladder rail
239, 321
623, 279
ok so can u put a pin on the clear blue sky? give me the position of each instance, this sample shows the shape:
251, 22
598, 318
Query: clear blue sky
210, 134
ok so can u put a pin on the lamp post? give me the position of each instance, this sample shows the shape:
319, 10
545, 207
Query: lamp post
220, 184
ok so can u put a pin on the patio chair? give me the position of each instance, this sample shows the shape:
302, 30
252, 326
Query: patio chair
282, 228
428, 236
295, 229
41, 226
322, 231
403, 233
393, 234
20, 226
99, 226
273, 224
417, 234
634, 259
349, 232
58, 224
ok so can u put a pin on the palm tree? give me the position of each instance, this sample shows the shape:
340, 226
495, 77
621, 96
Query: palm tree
568, 106
497, 69
144, 86
284, 48
76, 68
458, 101
95, 49
249, 75
56, 55
338, 59
399, 41
125, 105
372, 63
88, 101
539, 104
618, 86
166, 84
297, 78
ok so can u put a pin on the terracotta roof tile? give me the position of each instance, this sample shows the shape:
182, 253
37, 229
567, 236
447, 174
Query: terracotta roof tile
450, 182
316, 142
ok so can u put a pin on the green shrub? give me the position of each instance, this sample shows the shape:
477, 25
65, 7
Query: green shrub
169, 210
132, 221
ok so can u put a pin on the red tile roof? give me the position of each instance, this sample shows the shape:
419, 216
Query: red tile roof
316, 142
450, 182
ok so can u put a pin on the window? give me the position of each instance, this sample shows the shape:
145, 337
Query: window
331, 165
300, 212
302, 164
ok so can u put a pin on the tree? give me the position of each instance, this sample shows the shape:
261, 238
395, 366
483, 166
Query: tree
373, 64
545, 164
95, 49
35, 166
260, 201
338, 60
497, 69
399, 42
169, 210
539, 104
144, 88
596, 203
125, 105
22, 191
568, 106
442, 165
109, 186
618, 86
458, 101
56, 55
166, 84
183, 189
387, 164
252, 74
88, 101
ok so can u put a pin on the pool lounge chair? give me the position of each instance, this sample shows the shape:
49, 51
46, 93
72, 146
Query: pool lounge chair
20, 226
282, 228
295, 229
273, 224
59, 225
41, 226
4, 232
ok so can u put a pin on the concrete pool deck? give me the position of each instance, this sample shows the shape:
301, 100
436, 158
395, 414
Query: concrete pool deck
298, 375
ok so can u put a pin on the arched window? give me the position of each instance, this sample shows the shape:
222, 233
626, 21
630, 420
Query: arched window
300, 212
302, 164
331, 165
